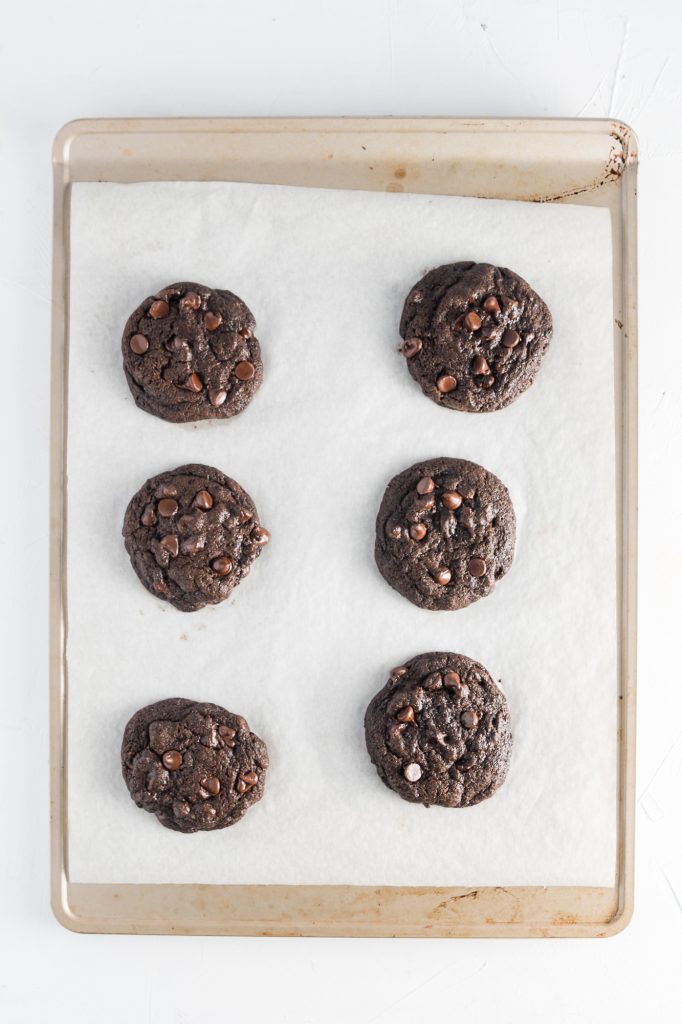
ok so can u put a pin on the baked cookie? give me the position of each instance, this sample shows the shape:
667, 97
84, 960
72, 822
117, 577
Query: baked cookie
445, 533
192, 534
189, 353
439, 732
195, 766
474, 335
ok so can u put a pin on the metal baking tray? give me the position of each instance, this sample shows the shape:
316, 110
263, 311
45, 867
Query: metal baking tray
592, 162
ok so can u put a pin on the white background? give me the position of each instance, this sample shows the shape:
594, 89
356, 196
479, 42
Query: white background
559, 58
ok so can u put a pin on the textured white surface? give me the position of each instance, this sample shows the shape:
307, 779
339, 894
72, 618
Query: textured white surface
598, 59
304, 643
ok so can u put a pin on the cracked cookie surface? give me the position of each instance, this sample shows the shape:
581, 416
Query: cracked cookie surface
474, 335
192, 534
196, 766
445, 533
439, 732
189, 353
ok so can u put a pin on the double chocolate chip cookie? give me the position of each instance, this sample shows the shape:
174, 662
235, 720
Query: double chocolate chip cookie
192, 534
439, 731
196, 766
189, 353
445, 533
474, 335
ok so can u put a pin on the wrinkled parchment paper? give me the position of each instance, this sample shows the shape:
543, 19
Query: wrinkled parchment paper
304, 643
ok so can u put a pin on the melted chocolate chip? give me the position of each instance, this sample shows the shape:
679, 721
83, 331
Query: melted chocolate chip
411, 347
446, 384
159, 309
212, 321
139, 344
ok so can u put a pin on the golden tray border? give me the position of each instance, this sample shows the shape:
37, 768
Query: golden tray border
591, 162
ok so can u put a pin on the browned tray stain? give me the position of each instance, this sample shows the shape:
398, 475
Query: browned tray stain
588, 162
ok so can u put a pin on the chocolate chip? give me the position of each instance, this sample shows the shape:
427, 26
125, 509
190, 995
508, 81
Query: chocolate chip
139, 344
472, 321
452, 680
217, 397
442, 576
221, 566
171, 545
247, 781
511, 338
212, 784
394, 532
172, 760
398, 673
446, 384
227, 734
480, 365
203, 499
486, 382
245, 371
425, 503
488, 334
246, 333
166, 491
175, 344
209, 739
193, 545
477, 567
451, 499
433, 681
195, 383
418, 531
491, 305
212, 321
161, 587
412, 772
168, 507
148, 517
259, 535
411, 347
190, 301
425, 485
469, 719
159, 309
405, 714
181, 808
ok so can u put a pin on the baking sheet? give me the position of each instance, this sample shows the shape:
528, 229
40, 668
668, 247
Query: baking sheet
301, 647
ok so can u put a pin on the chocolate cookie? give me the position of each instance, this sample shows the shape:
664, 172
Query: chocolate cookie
192, 534
445, 533
439, 732
195, 766
474, 335
189, 353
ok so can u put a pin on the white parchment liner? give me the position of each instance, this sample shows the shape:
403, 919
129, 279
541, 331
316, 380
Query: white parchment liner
305, 642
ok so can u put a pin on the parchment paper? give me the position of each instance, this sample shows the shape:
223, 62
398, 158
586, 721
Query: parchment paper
309, 637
